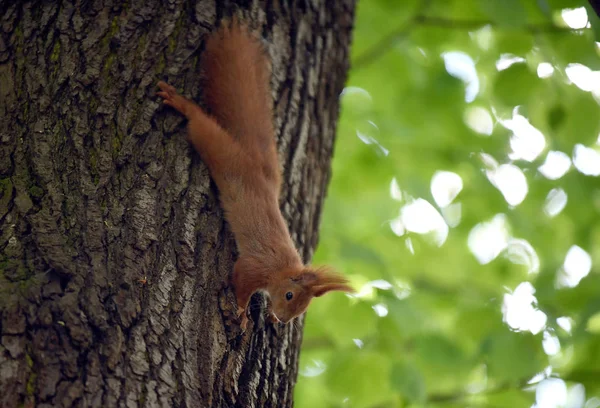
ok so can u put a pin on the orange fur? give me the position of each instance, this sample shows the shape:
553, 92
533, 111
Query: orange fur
237, 144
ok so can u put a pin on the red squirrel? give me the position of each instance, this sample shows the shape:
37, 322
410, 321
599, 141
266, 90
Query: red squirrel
237, 143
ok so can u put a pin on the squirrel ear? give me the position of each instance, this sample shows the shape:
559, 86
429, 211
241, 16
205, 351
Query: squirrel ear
321, 290
322, 280
307, 278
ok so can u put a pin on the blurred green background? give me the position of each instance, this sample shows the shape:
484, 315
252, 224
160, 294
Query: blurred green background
465, 207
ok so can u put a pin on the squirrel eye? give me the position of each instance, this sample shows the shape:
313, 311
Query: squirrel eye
289, 295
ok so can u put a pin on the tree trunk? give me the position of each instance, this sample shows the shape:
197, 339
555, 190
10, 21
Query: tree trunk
114, 255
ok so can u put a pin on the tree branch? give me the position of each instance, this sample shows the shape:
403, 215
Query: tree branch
441, 22
581, 376
460, 395
384, 45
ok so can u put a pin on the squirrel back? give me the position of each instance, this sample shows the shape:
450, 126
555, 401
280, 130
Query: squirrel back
237, 70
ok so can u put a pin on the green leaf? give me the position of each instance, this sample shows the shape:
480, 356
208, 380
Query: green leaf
512, 357
457, 9
407, 315
513, 42
514, 85
571, 47
311, 393
475, 322
334, 310
362, 377
556, 116
593, 324
440, 354
511, 398
577, 126
408, 381
444, 331
357, 251
508, 13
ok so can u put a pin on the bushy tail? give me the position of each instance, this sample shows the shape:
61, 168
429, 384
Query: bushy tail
236, 87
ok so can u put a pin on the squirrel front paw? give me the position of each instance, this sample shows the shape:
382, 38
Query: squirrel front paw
272, 316
273, 319
241, 313
171, 97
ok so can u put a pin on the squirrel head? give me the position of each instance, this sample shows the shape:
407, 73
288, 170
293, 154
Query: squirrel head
292, 292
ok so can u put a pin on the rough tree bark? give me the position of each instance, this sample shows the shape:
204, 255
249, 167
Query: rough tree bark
114, 254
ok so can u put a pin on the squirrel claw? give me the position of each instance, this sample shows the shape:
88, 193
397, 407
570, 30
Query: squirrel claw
167, 89
171, 97
244, 322
273, 319
272, 316
243, 318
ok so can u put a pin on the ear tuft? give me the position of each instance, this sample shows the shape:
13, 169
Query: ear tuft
322, 280
321, 290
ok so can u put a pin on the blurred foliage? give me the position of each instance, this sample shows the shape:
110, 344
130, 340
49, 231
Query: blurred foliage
437, 322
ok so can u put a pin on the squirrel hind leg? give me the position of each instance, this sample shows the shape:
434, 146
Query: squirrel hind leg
234, 36
234, 25
236, 69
